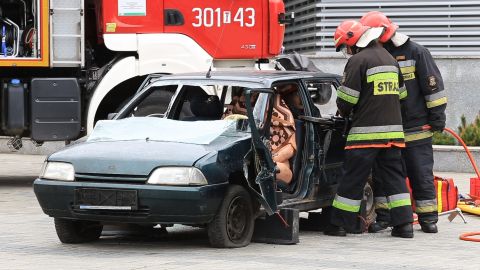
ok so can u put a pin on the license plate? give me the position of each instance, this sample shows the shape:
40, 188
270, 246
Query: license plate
106, 199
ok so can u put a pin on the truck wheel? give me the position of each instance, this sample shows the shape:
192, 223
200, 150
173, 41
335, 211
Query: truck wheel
232, 226
77, 231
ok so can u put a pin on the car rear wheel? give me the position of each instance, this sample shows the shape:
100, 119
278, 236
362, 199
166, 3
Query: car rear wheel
233, 225
77, 231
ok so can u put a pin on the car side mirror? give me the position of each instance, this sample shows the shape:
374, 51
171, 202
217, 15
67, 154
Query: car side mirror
111, 116
320, 93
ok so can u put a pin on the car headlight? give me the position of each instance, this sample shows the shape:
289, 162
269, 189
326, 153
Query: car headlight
177, 176
58, 171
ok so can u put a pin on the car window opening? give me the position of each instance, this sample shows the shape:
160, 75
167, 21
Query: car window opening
156, 103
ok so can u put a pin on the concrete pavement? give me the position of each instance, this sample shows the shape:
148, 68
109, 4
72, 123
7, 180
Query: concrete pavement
19, 168
28, 241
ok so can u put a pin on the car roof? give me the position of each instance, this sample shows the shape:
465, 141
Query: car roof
264, 78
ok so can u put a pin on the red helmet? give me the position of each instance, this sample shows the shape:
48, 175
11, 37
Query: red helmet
348, 33
378, 19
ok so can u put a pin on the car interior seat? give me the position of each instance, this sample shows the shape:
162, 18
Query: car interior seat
205, 108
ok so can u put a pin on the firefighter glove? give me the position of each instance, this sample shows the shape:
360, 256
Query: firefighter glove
437, 125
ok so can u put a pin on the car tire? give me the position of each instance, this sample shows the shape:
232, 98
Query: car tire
233, 225
77, 231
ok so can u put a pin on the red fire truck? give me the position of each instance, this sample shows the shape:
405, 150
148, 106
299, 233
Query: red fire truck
64, 64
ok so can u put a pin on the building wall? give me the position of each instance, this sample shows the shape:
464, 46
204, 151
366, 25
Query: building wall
446, 27
462, 83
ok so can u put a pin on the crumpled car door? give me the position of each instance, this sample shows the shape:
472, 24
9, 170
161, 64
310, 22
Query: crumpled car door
259, 118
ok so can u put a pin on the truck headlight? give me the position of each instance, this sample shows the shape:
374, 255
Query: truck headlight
177, 176
58, 171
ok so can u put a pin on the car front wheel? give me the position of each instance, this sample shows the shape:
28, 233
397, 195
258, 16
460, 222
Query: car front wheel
233, 224
77, 231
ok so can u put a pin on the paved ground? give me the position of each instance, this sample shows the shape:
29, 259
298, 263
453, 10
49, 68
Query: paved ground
28, 241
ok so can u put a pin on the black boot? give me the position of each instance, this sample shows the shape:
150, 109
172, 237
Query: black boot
333, 230
378, 226
403, 231
429, 227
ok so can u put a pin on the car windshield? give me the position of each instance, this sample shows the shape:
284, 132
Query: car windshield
190, 101
161, 129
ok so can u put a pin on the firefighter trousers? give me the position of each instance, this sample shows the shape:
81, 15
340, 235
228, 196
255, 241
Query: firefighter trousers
357, 168
418, 161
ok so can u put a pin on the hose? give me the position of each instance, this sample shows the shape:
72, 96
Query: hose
470, 157
468, 235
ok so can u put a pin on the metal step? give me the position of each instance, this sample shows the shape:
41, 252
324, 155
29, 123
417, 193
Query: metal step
67, 33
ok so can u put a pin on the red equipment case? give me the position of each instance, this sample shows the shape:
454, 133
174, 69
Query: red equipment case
475, 188
446, 191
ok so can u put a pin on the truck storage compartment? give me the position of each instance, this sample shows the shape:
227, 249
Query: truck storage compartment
14, 109
25, 26
55, 109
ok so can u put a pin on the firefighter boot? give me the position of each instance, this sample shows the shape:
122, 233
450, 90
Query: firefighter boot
429, 227
378, 226
333, 230
403, 231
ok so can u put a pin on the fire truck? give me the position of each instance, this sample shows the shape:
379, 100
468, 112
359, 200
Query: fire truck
65, 64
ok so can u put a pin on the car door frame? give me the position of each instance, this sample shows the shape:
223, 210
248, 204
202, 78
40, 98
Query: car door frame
337, 125
265, 178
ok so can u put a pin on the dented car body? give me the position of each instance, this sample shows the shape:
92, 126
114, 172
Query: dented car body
173, 155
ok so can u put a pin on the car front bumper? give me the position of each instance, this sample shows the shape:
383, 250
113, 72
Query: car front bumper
156, 204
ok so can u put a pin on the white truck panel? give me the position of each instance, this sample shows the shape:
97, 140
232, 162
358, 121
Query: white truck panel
121, 42
157, 53
120, 72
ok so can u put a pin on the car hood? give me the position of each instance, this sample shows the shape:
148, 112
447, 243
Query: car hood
136, 146
129, 157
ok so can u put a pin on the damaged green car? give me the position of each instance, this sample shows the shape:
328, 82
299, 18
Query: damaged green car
197, 150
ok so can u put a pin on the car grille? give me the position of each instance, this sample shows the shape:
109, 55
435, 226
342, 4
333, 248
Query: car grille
111, 178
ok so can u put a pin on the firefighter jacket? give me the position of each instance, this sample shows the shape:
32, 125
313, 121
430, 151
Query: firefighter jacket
426, 101
371, 91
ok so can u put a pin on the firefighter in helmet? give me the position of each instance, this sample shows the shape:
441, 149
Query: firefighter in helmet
423, 113
370, 94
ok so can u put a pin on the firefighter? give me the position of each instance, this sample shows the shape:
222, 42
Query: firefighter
370, 93
423, 113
